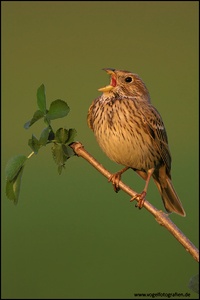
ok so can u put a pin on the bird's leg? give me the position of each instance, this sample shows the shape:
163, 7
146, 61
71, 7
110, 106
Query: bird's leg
115, 178
141, 197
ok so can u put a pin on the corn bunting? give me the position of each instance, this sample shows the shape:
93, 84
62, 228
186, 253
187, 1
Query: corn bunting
131, 132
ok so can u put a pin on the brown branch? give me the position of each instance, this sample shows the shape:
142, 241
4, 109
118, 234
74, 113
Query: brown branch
161, 217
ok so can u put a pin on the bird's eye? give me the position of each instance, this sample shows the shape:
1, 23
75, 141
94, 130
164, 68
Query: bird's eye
128, 79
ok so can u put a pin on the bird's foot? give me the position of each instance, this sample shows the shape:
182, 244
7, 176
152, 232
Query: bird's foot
115, 178
141, 199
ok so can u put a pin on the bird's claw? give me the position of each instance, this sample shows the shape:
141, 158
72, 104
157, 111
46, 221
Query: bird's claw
141, 199
115, 178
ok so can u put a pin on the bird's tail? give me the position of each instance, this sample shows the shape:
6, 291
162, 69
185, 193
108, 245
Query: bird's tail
169, 196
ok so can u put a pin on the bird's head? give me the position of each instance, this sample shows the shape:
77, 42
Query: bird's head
125, 83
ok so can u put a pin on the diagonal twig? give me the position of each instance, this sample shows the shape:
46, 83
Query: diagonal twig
161, 217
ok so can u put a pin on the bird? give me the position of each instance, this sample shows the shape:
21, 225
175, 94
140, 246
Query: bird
131, 132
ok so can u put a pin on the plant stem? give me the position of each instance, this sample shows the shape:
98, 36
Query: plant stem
31, 154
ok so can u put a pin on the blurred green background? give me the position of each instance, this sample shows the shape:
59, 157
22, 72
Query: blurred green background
71, 236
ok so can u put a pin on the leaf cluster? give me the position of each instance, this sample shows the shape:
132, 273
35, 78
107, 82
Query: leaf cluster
60, 140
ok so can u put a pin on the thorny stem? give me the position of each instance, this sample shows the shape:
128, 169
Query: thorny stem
161, 217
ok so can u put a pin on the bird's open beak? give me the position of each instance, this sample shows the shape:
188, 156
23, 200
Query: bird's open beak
113, 81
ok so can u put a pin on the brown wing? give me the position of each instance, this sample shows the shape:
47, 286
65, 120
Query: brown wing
89, 116
156, 128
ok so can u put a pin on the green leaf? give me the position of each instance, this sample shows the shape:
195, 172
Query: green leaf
14, 165
13, 186
58, 109
9, 190
58, 154
37, 115
61, 135
71, 136
44, 136
60, 168
34, 144
61, 154
41, 98
69, 152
